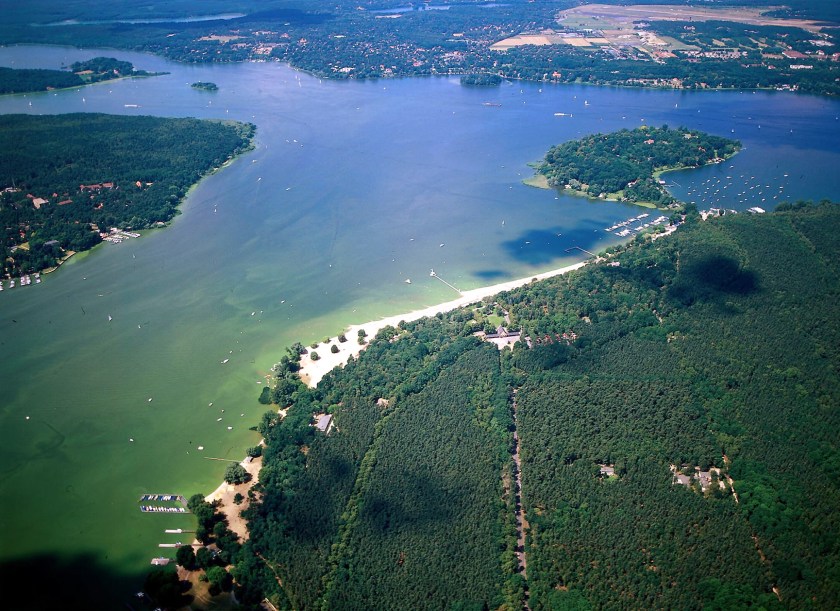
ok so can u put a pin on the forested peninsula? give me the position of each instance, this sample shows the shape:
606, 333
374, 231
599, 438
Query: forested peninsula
66, 180
672, 409
98, 69
624, 165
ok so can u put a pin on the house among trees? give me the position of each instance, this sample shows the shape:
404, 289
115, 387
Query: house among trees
96, 186
705, 479
607, 470
502, 337
684, 480
324, 423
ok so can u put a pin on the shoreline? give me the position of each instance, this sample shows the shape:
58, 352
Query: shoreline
225, 492
311, 372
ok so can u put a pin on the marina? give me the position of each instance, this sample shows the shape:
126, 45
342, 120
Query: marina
117, 236
625, 230
23, 280
163, 498
161, 509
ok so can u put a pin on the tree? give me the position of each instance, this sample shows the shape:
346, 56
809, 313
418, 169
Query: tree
203, 557
163, 586
334, 349
202, 510
314, 356
185, 557
236, 474
220, 580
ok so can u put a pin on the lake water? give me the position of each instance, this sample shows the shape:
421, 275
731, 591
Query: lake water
353, 188
199, 18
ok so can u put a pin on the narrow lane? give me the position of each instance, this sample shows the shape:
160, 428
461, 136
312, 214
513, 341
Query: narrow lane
521, 521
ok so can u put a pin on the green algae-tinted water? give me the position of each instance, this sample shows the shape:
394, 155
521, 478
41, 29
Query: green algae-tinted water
352, 189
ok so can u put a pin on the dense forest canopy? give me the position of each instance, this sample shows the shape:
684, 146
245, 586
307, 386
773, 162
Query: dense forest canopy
98, 69
66, 178
622, 164
23, 80
677, 409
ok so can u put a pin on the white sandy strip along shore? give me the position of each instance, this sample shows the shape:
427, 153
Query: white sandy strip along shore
226, 492
311, 371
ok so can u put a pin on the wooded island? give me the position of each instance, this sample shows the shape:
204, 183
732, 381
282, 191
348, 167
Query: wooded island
624, 165
205, 86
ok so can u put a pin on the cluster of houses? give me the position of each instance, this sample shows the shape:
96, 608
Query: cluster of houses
705, 479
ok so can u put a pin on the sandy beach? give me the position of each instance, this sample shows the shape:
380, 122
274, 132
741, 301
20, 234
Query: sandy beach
311, 371
225, 493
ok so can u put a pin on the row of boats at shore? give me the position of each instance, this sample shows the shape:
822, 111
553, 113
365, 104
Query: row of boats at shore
24, 280
159, 509
117, 236
624, 228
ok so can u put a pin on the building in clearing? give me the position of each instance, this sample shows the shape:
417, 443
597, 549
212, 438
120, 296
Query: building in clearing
607, 470
502, 338
324, 422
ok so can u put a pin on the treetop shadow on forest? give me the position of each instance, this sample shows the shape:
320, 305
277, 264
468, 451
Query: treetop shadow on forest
713, 277
412, 501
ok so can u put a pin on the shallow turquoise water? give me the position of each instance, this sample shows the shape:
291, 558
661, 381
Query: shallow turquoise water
352, 188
